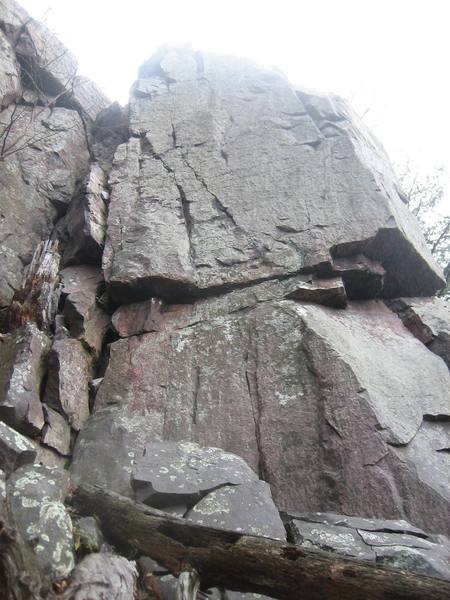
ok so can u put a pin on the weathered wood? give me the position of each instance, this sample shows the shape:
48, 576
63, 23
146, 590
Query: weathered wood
37, 299
248, 563
20, 575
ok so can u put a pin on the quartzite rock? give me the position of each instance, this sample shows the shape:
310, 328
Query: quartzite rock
155, 315
115, 437
247, 508
232, 181
10, 87
44, 155
101, 576
15, 449
429, 320
167, 472
85, 319
22, 368
371, 539
67, 388
35, 496
56, 432
289, 388
85, 221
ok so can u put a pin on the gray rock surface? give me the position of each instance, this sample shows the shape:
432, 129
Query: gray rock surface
83, 226
44, 156
214, 134
22, 368
56, 431
360, 538
88, 322
247, 508
15, 449
101, 576
67, 388
170, 471
35, 496
429, 320
290, 387
10, 85
87, 534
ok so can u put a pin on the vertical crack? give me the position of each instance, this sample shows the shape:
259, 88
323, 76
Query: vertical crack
195, 394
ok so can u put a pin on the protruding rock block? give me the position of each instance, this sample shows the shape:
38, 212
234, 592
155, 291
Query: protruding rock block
22, 368
88, 322
85, 222
56, 432
168, 472
429, 320
247, 508
67, 388
35, 496
15, 449
234, 177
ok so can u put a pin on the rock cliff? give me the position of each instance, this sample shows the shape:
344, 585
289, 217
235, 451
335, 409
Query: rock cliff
214, 303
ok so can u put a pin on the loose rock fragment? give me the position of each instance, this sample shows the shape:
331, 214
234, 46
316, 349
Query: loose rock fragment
22, 368
15, 449
56, 432
67, 388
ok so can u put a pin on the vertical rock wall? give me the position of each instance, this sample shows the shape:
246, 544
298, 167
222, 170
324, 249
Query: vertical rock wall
234, 258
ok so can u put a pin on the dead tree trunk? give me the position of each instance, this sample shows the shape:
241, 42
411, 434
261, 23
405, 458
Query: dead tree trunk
37, 299
248, 563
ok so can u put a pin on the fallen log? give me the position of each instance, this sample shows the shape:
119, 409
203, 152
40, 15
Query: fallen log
247, 563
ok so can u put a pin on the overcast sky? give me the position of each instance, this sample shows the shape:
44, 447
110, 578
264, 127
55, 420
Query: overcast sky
389, 57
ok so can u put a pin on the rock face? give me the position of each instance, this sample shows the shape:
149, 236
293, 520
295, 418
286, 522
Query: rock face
238, 318
212, 136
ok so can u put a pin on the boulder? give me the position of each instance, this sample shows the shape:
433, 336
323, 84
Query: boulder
15, 449
247, 508
333, 408
56, 432
429, 320
22, 369
100, 576
166, 473
67, 388
211, 135
35, 497
87, 321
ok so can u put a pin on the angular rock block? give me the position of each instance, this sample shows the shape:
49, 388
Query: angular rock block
44, 156
233, 176
429, 320
396, 544
56, 432
340, 410
67, 388
86, 320
15, 449
101, 576
84, 225
169, 472
22, 368
247, 508
35, 497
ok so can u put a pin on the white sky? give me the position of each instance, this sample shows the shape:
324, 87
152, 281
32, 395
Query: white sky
389, 58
